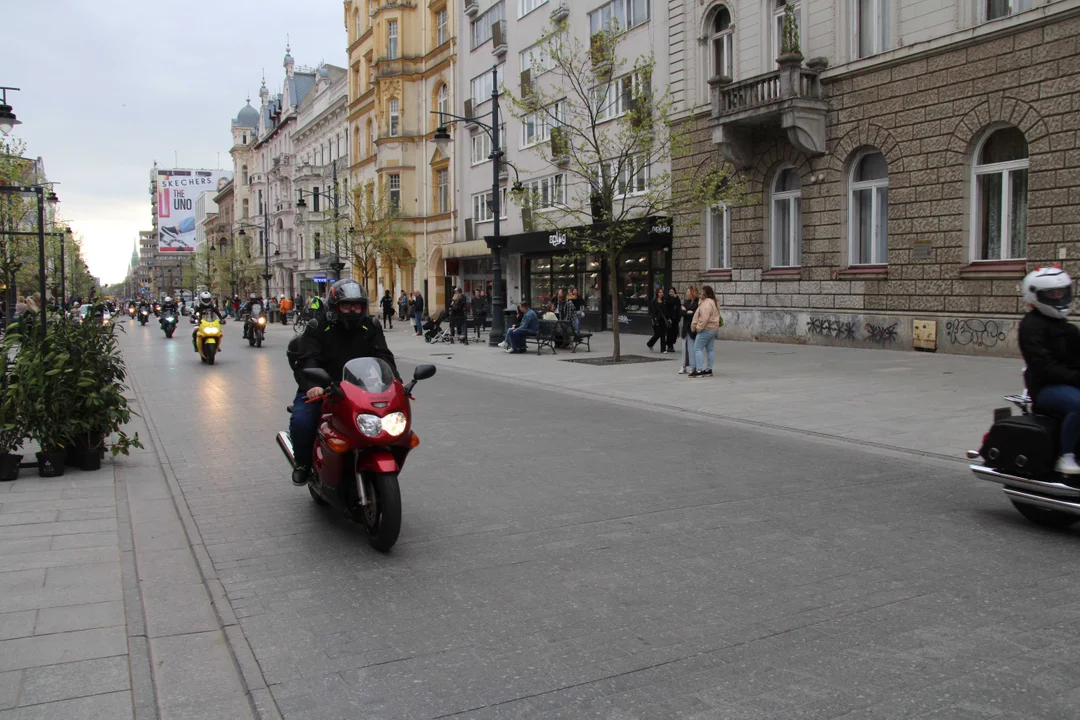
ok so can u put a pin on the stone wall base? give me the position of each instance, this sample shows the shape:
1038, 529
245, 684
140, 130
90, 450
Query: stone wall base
961, 335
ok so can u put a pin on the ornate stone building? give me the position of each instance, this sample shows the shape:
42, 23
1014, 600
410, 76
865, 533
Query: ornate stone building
907, 163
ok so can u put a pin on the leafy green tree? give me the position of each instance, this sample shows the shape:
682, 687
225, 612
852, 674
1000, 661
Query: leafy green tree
377, 234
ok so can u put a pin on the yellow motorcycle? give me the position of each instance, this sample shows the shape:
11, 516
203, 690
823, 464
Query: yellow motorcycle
208, 339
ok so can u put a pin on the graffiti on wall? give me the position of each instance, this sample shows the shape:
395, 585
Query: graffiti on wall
831, 327
881, 334
980, 333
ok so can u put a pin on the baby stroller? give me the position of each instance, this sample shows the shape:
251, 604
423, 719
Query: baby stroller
434, 331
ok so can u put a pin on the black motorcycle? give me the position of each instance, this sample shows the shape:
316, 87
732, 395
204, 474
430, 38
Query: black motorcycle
144, 315
255, 326
168, 322
1020, 452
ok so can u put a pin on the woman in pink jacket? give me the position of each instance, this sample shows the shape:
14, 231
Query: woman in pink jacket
706, 324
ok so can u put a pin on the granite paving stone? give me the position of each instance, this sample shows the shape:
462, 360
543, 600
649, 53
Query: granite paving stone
75, 679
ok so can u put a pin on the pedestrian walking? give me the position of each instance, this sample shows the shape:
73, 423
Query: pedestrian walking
387, 304
706, 324
659, 320
689, 307
418, 312
673, 315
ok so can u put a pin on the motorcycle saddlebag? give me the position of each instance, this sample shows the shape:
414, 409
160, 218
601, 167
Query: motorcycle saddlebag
1024, 445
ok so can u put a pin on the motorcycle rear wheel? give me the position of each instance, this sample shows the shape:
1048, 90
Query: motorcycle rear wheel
382, 517
1045, 517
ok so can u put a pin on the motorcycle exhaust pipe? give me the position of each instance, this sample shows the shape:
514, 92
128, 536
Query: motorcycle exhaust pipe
285, 443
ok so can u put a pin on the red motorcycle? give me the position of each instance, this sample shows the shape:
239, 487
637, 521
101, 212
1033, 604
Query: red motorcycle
363, 438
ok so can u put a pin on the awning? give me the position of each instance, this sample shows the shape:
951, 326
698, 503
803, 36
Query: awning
467, 249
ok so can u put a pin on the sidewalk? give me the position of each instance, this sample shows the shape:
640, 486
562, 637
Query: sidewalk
919, 402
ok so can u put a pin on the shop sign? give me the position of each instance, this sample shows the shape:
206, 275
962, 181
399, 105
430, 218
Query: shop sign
557, 239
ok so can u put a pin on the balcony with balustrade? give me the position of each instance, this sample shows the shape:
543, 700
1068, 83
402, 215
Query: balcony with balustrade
789, 99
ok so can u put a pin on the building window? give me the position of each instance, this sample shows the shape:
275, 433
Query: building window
614, 99
619, 15
442, 104
482, 87
481, 27
317, 246
261, 202
442, 182
244, 175
245, 206
779, 8
717, 238
631, 175
536, 128
527, 6
315, 199
721, 44
1003, 8
547, 192
391, 39
482, 211
395, 117
394, 184
481, 145
786, 219
370, 138
872, 26
441, 29
1001, 196
536, 60
868, 205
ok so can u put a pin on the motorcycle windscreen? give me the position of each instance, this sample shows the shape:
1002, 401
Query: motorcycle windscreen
256, 310
371, 374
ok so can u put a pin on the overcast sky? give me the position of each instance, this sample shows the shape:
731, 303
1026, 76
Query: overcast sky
110, 87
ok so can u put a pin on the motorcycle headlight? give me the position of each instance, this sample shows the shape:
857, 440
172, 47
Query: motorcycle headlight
211, 331
370, 425
395, 423
262, 321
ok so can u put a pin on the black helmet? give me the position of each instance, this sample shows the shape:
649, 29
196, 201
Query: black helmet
350, 292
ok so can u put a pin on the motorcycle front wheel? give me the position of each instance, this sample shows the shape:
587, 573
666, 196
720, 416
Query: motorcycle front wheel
258, 341
382, 517
1045, 517
168, 333
211, 351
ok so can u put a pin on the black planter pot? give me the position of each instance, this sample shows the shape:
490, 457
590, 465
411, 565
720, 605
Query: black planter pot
89, 460
51, 464
81, 456
9, 467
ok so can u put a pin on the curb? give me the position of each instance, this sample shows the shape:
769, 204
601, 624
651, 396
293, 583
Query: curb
260, 699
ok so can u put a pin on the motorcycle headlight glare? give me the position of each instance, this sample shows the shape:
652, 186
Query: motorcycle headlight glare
370, 425
262, 321
394, 423
211, 331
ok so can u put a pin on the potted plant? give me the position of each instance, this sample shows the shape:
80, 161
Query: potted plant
11, 434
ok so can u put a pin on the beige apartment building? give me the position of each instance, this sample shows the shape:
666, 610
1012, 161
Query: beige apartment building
401, 63
908, 163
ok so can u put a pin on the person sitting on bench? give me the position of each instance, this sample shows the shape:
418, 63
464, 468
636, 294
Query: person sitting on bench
529, 327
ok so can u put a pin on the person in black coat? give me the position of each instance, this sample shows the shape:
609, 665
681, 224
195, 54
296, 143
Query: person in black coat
687, 309
659, 321
387, 305
673, 315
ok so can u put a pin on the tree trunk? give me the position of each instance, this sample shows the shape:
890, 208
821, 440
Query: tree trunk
613, 277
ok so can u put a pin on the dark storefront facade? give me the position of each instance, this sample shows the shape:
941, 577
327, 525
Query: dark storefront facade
549, 264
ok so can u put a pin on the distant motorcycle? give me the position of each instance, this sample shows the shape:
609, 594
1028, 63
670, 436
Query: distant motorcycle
144, 315
255, 326
168, 322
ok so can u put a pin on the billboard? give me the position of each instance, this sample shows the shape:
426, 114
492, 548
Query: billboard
177, 191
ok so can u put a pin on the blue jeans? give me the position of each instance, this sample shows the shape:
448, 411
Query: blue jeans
516, 338
302, 427
1062, 401
704, 346
418, 319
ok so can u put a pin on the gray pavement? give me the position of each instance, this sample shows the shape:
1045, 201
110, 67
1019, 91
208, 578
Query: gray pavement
571, 549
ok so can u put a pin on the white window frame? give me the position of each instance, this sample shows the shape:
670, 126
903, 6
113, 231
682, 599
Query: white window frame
873, 186
725, 38
550, 187
778, 24
880, 23
1006, 169
393, 185
794, 234
482, 211
535, 59
480, 32
442, 102
636, 174
540, 124
392, 39
442, 27
611, 99
1015, 6
480, 146
527, 6
394, 113
621, 11
442, 190
711, 244
481, 88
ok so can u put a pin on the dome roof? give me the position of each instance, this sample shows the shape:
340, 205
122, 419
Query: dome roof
324, 71
247, 117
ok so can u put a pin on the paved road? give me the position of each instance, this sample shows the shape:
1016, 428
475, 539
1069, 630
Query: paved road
568, 557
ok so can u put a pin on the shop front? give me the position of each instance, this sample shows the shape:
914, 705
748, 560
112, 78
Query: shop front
549, 263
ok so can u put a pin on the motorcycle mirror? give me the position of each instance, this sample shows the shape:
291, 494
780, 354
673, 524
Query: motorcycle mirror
318, 376
423, 372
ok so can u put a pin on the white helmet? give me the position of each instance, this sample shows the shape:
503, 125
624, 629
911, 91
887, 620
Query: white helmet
1049, 290
205, 298
167, 300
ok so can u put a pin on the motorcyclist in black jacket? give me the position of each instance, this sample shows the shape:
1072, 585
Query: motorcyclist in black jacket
1050, 345
330, 340
245, 310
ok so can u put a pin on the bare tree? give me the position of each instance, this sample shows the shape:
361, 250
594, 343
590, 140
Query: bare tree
377, 234
612, 139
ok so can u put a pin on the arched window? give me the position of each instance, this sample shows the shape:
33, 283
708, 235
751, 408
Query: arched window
868, 205
358, 24
721, 44
1000, 199
442, 104
786, 219
370, 138
244, 174
395, 117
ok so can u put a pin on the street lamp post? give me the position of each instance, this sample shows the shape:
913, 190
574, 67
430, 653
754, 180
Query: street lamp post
337, 266
266, 250
494, 241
